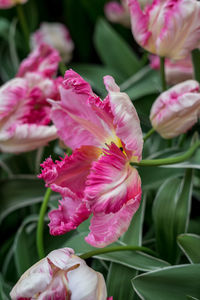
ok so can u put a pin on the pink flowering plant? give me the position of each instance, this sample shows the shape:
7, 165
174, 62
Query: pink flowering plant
100, 150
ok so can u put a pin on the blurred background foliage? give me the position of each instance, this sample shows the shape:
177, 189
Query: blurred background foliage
102, 48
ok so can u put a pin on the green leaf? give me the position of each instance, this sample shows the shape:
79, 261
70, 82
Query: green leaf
119, 282
191, 298
19, 193
171, 211
169, 283
114, 51
4, 289
190, 245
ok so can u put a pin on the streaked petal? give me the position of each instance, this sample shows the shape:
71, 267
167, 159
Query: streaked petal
26, 137
112, 182
70, 214
71, 172
107, 228
126, 118
75, 113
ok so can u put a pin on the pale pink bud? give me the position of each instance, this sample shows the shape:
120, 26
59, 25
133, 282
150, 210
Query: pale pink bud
56, 35
176, 110
118, 13
175, 71
61, 275
4, 4
167, 28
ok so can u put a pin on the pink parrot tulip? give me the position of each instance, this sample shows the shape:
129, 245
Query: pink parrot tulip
176, 110
4, 4
97, 178
168, 28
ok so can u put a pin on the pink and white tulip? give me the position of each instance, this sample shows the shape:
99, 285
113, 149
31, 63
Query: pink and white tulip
24, 115
118, 13
4, 4
176, 110
44, 60
56, 35
175, 71
97, 178
168, 28
57, 276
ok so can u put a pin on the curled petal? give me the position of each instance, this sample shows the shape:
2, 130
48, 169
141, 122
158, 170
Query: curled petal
176, 110
44, 59
84, 125
118, 13
69, 215
71, 172
126, 118
26, 137
112, 182
107, 228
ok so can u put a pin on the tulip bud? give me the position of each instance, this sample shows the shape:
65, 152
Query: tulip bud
118, 13
56, 35
176, 110
4, 4
61, 275
167, 28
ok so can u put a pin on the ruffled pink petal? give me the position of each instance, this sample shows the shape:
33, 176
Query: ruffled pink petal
56, 35
176, 110
60, 257
112, 182
70, 214
75, 112
70, 173
26, 137
44, 59
126, 119
107, 228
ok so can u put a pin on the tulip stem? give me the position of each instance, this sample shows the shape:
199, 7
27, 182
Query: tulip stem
196, 63
162, 74
40, 226
116, 249
148, 134
62, 68
169, 160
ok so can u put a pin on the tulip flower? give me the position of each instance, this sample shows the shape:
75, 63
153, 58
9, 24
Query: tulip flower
167, 28
175, 71
56, 35
176, 110
61, 275
118, 13
97, 178
24, 111
4, 4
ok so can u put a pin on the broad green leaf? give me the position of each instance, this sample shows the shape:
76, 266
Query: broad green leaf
4, 28
19, 193
4, 289
171, 211
191, 298
114, 51
133, 236
190, 245
169, 283
119, 282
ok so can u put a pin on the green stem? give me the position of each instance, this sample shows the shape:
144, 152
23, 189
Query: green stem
148, 134
162, 74
115, 249
40, 226
196, 63
23, 24
170, 160
62, 68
